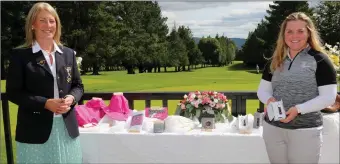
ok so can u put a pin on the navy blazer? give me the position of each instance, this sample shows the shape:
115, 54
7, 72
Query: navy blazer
30, 83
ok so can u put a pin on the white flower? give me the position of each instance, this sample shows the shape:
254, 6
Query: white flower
79, 60
193, 96
215, 100
215, 93
185, 96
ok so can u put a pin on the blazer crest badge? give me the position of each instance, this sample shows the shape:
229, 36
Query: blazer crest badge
42, 62
69, 77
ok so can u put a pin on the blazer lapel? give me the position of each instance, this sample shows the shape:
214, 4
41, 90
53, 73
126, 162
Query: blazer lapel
41, 61
60, 62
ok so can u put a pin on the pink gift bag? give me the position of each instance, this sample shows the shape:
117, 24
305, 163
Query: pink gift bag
118, 108
97, 103
91, 112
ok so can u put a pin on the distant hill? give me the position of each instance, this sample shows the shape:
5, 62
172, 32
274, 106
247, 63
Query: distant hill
238, 41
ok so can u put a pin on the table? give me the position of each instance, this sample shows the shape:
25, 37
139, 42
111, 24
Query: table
330, 146
194, 147
207, 147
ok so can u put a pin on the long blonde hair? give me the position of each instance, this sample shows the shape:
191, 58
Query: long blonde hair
281, 48
30, 19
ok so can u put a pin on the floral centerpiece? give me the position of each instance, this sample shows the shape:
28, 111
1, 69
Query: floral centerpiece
199, 104
334, 54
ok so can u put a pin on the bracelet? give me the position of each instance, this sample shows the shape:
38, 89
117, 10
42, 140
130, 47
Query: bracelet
74, 100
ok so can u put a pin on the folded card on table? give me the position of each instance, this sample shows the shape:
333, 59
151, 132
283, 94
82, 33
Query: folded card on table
157, 112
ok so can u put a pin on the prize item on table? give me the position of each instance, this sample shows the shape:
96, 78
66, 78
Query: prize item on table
276, 111
157, 112
118, 108
208, 122
90, 113
158, 126
245, 124
119, 126
136, 122
258, 118
178, 124
148, 124
108, 120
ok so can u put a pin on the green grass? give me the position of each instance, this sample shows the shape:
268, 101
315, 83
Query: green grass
231, 78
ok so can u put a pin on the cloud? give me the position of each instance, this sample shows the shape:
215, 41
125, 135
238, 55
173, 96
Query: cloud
169, 14
233, 19
191, 5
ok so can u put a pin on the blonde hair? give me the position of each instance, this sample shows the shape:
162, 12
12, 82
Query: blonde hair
281, 48
30, 19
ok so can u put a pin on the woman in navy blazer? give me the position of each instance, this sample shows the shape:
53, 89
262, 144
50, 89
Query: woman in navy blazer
44, 81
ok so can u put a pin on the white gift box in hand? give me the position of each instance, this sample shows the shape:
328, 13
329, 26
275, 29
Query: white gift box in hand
276, 111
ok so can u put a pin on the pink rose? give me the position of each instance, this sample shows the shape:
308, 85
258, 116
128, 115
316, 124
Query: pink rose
206, 100
196, 104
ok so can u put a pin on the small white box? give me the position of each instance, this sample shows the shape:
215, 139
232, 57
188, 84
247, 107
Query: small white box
276, 111
244, 124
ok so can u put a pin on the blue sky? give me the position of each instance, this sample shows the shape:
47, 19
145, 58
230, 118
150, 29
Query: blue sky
233, 19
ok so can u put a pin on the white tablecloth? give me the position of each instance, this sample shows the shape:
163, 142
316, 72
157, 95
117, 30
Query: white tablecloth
194, 147
330, 146
207, 147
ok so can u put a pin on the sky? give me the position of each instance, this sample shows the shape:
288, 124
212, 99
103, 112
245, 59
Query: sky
228, 18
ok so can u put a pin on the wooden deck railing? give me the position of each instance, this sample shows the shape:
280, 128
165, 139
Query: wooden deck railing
238, 101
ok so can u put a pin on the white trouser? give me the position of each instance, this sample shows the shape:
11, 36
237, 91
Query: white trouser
292, 145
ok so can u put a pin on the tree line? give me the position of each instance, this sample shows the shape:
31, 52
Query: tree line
260, 43
116, 35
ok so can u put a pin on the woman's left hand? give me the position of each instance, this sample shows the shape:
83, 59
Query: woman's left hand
291, 114
68, 100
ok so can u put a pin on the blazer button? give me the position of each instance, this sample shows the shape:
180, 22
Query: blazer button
61, 91
58, 77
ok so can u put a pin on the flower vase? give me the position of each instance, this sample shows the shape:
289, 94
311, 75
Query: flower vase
195, 120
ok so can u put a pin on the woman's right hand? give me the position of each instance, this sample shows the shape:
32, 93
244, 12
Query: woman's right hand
272, 99
55, 105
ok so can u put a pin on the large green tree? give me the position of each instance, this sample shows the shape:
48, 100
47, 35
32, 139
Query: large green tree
13, 15
328, 21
